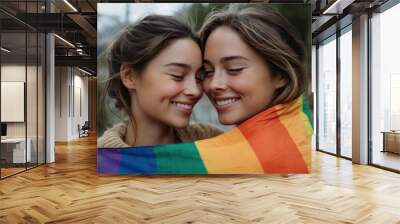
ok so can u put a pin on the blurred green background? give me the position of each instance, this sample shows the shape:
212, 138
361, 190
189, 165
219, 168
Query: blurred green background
112, 17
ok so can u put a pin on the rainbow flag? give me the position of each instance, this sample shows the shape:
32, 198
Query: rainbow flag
277, 140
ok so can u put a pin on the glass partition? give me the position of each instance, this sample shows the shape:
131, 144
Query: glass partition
22, 89
13, 94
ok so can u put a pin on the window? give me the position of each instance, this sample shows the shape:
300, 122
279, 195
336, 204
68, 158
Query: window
385, 88
346, 92
327, 95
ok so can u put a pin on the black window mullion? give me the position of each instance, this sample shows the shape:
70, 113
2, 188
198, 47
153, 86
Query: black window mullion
369, 91
46, 3
0, 97
316, 96
26, 86
338, 98
37, 90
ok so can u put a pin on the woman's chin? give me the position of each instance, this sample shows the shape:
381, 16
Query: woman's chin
227, 120
231, 119
180, 123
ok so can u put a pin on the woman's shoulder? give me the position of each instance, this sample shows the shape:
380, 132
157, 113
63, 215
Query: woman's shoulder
113, 137
198, 131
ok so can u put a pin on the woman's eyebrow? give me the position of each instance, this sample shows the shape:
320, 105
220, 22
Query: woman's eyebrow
183, 65
226, 59
229, 58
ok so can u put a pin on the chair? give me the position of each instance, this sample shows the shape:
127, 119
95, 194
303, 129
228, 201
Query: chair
84, 130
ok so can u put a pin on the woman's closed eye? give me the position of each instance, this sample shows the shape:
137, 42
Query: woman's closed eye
176, 77
208, 73
235, 71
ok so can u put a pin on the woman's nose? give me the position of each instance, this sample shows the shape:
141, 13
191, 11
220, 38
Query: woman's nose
192, 88
218, 82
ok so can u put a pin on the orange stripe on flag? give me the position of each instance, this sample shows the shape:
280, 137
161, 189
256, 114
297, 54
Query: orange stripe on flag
300, 130
273, 145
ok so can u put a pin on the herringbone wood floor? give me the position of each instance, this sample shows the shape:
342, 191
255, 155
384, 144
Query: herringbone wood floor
70, 191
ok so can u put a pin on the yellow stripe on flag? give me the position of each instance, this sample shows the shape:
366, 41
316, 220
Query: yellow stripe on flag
228, 153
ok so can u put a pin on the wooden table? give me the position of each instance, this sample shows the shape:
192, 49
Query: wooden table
391, 141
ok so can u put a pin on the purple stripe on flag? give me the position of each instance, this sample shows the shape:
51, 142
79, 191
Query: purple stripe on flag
108, 160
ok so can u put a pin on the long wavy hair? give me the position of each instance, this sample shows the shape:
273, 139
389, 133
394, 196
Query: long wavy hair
271, 36
136, 46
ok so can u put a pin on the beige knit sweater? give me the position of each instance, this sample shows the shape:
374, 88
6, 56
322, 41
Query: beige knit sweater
114, 137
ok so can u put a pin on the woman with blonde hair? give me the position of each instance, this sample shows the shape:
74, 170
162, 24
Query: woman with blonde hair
252, 60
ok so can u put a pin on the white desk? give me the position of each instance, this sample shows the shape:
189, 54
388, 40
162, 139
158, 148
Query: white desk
18, 149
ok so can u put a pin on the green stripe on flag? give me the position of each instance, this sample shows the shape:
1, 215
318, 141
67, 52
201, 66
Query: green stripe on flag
179, 159
307, 110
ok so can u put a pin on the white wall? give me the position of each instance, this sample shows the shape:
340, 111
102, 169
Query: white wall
12, 73
61, 103
68, 83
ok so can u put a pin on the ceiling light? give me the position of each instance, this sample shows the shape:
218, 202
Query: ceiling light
337, 7
326, 11
5, 49
65, 41
70, 5
84, 71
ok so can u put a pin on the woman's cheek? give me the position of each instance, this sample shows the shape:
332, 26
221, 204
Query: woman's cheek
205, 86
173, 87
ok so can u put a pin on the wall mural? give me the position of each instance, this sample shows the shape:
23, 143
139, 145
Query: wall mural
204, 89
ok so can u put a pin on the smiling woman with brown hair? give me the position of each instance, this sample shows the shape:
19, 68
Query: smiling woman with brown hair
255, 77
253, 60
154, 68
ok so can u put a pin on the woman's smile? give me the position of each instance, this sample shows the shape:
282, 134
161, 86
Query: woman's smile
225, 103
184, 107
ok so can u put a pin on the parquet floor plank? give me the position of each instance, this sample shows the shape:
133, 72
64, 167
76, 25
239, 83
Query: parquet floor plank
70, 191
